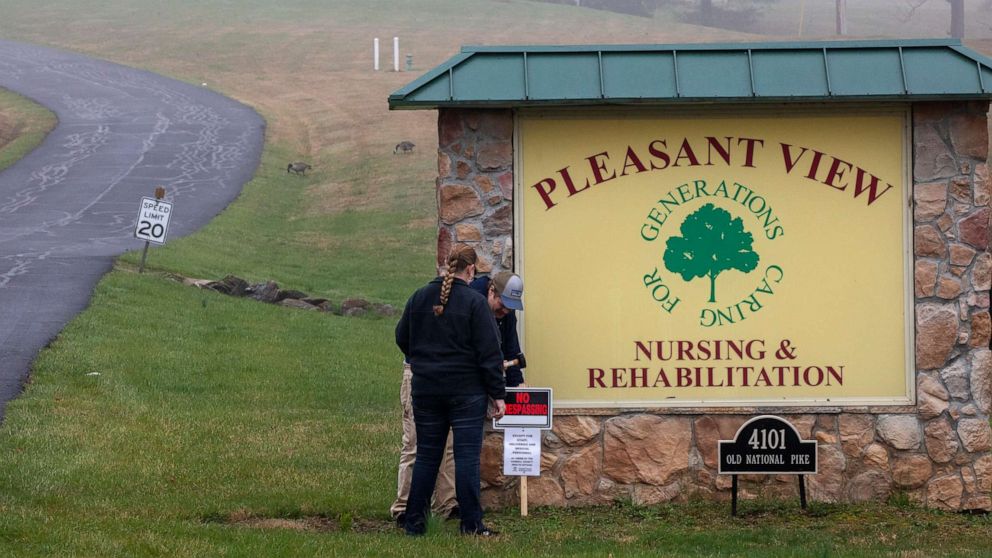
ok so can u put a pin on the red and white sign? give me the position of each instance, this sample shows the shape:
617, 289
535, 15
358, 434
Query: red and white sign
526, 408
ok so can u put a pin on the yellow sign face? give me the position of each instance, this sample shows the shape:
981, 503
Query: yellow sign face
716, 260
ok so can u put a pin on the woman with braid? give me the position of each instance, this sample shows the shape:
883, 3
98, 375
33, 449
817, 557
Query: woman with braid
449, 337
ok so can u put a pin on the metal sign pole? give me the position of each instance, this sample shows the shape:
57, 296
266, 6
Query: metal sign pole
802, 491
144, 254
733, 498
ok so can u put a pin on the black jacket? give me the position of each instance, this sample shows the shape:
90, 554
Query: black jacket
456, 353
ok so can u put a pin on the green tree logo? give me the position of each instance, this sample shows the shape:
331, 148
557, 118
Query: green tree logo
712, 242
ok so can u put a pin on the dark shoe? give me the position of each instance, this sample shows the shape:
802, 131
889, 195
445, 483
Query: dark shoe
455, 513
400, 519
415, 529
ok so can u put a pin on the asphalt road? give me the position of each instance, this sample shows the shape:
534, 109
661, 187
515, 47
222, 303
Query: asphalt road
69, 207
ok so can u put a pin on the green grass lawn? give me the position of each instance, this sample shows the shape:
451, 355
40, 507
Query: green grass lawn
23, 125
169, 421
165, 418
269, 234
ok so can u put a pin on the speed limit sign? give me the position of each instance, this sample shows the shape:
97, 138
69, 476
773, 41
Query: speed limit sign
153, 220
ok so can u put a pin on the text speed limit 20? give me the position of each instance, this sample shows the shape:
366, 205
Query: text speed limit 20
153, 220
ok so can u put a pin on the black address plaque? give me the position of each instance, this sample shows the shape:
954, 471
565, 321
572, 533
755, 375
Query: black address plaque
767, 445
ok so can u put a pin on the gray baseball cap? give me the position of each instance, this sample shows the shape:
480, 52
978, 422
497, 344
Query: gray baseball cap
510, 288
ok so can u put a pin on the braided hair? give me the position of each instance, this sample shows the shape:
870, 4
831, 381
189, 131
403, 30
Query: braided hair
461, 256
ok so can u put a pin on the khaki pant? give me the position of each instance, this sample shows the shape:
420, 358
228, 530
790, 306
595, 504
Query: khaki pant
444, 491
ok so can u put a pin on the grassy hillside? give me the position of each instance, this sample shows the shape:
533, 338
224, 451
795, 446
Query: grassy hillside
23, 125
306, 66
817, 18
206, 426
873, 18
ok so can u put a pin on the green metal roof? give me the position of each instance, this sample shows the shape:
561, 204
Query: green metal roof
514, 76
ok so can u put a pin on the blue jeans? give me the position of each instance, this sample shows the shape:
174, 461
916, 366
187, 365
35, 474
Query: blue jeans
434, 415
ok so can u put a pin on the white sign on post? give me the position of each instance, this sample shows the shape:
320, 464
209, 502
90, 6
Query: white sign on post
153, 220
522, 452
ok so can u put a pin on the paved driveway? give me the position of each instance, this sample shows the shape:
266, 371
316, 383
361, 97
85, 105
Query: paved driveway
68, 208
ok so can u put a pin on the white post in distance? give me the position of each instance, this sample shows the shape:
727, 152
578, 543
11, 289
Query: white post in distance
375, 53
396, 54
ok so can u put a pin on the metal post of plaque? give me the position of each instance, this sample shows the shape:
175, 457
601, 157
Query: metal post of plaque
767, 445
733, 498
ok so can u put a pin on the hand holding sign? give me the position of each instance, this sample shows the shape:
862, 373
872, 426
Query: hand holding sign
497, 408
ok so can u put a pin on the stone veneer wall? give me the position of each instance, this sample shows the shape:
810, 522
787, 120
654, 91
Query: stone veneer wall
475, 185
937, 452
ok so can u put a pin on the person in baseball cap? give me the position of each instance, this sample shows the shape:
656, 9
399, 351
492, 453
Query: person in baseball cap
504, 291
510, 288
